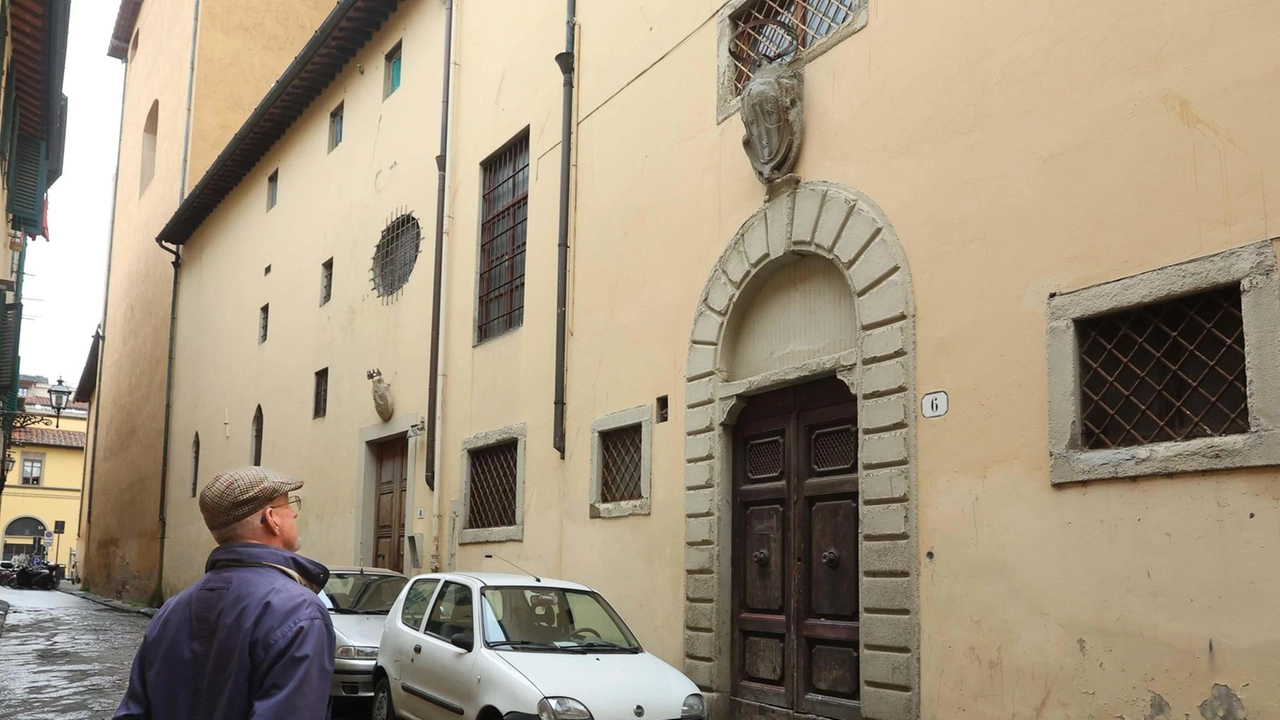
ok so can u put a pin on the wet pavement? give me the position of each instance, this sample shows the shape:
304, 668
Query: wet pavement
64, 657
68, 658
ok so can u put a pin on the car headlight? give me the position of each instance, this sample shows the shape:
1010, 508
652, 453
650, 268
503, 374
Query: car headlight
694, 708
562, 708
356, 652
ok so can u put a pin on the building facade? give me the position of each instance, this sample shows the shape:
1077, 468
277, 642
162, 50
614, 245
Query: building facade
194, 72
43, 491
953, 394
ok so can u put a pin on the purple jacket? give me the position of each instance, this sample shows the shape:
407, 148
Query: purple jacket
243, 642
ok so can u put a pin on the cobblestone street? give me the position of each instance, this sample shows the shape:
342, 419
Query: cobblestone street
68, 658
64, 657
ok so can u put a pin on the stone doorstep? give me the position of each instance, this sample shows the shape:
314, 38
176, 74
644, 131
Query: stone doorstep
67, 588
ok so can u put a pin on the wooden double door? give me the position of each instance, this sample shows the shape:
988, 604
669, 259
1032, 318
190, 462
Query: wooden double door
392, 478
795, 554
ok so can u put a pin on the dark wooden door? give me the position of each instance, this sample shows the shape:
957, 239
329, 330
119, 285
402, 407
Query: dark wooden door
392, 479
795, 554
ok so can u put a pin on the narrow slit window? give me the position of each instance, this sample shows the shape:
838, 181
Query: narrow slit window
391, 80
273, 189
335, 127
255, 443
320, 403
150, 131
326, 281
195, 463
264, 315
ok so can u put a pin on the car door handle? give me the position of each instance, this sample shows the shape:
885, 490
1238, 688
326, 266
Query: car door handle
417, 649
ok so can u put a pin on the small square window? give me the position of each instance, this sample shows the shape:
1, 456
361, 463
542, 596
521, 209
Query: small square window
32, 469
320, 403
264, 314
335, 127
326, 281
266, 271
620, 463
273, 189
391, 78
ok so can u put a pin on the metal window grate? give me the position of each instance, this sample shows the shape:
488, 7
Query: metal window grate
255, 446
396, 254
505, 210
491, 499
764, 458
320, 403
834, 449
326, 281
759, 36
264, 317
1170, 371
620, 453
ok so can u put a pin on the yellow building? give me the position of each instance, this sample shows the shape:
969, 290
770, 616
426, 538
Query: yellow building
42, 492
950, 390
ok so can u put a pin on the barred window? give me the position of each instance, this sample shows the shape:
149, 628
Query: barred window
320, 401
264, 316
620, 464
255, 438
491, 500
326, 281
1174, 370
505, 210
195, 463
766, 31
396, 254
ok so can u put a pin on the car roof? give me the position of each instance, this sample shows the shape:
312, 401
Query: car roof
508, 580
350, 569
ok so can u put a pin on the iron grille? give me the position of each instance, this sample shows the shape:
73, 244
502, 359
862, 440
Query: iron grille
1170, 371
766, 31
834, 449
505, 210
326, 281
764, 458
320, 403
396, 254
491, 501
620, 464
255, 448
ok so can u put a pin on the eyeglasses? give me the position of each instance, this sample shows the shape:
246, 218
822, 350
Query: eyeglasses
294, 502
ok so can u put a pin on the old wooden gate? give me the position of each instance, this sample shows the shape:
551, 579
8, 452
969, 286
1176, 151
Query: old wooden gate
392, 478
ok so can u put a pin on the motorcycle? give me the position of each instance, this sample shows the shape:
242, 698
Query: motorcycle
35, 575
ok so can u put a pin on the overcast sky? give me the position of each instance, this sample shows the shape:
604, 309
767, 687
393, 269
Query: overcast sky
63, 290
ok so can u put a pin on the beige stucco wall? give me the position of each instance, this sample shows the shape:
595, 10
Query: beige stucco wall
123, 539
1018, 149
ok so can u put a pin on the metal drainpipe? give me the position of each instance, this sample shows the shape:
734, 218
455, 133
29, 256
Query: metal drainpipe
168, 411
102, 333
565, 61
191, 90
437, 293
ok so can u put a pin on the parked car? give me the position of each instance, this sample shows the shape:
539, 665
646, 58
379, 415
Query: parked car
358, 600
535, 648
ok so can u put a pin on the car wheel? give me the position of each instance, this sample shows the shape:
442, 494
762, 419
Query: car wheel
383, 709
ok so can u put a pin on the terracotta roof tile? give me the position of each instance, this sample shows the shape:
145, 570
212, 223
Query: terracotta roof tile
49, 437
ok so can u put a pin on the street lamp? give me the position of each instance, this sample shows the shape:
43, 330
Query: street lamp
8, 465
59, 394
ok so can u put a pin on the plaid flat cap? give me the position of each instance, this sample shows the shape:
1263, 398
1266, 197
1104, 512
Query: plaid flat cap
235, 495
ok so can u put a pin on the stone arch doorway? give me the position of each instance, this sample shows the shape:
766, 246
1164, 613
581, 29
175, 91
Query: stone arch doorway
873, 353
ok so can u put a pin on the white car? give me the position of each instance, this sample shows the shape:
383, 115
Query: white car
358, 600
484, 646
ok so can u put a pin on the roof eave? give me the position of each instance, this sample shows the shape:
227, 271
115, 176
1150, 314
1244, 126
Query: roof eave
126, 20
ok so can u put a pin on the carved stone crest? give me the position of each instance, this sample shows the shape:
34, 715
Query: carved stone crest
773, 116
382, 402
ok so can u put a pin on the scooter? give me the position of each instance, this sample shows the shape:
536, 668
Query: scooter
36, 575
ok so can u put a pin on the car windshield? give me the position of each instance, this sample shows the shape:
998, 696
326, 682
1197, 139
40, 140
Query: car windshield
362, 593
553, 620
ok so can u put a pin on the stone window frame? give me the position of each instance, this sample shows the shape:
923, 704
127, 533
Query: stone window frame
1254, 268
728, 101
641, 415
510, 533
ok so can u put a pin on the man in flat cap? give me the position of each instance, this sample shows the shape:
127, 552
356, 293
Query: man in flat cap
250, 639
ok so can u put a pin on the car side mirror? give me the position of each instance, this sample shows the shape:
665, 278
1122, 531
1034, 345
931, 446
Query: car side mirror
463, 640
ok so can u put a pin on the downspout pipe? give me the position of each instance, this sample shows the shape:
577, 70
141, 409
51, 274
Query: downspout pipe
191, 91
566, 62
437, 292
168, 414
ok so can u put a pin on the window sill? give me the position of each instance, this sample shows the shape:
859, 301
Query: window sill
513, 533
620, 509
1228, 452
